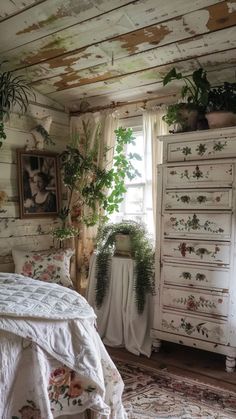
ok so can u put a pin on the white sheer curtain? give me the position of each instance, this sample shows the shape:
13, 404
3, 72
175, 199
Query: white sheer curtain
108, 122
154, 126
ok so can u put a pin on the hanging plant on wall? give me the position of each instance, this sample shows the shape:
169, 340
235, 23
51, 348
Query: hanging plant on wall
13, 91
142, 252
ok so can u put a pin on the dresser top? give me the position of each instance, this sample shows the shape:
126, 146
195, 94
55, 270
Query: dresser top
197, 135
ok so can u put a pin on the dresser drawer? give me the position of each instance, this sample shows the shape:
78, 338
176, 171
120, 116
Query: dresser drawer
198, 199
196, 251
201, 149
197, 225
211, 175
196, 301
195, 276
194, 327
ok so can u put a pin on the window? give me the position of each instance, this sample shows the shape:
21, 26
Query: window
137, 204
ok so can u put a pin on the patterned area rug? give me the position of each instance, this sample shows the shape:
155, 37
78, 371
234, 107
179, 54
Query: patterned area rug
159, 394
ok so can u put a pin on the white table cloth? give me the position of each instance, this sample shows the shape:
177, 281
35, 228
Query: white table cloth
118, 321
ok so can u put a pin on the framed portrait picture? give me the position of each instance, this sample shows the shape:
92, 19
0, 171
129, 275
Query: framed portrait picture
38, 180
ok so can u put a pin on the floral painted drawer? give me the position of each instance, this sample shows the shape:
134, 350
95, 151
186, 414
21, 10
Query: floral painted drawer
194, 225
196, 276
201, 149
198, 199
196, 251
196, 301
211, 175
198, 327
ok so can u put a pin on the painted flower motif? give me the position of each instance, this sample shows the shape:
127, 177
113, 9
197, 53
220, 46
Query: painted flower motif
188, 327
186, 275
185, 198
201, 149
191, 303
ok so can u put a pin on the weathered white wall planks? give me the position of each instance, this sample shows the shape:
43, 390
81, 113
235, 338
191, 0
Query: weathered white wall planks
26, 233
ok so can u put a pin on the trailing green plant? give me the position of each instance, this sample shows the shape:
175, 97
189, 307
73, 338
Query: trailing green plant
13, 91
194, 94
222, 98
142, 252
95, 191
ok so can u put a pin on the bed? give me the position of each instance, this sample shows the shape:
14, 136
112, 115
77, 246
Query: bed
52, 361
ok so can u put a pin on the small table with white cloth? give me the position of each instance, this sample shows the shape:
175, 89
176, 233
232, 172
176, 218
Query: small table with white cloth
118, 321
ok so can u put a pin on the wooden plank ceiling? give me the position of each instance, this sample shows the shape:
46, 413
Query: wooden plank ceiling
97, 53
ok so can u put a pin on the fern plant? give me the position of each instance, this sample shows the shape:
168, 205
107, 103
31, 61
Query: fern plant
142, 252
13, 91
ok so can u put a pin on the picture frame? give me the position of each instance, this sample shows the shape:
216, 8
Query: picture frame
38, 182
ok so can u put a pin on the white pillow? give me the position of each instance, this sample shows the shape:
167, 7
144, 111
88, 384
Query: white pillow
49, 266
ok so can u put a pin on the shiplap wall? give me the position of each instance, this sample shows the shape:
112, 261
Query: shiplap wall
26, 233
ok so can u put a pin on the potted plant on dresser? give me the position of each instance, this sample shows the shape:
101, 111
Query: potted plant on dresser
188, 115
221, 107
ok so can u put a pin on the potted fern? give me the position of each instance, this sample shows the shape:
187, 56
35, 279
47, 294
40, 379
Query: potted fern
186, 115
13, 91
141, 251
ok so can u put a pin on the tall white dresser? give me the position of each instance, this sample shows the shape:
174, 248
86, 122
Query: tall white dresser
195, 301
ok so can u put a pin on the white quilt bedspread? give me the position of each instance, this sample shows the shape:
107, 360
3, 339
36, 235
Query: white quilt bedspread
52, 361
23, 297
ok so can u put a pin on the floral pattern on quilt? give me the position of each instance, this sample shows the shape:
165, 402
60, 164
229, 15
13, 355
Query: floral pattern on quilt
28, 411
65, 387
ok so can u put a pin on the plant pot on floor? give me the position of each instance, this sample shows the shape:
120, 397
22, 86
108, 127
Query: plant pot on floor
221, 119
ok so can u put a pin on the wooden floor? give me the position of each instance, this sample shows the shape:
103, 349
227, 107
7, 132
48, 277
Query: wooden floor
204, 366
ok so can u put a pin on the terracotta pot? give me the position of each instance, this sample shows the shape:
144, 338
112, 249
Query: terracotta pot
123, 244
221, 119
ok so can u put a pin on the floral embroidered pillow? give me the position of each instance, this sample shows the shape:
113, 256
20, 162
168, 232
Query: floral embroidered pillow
48, 266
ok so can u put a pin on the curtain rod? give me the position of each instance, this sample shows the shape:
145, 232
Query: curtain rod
116, 105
